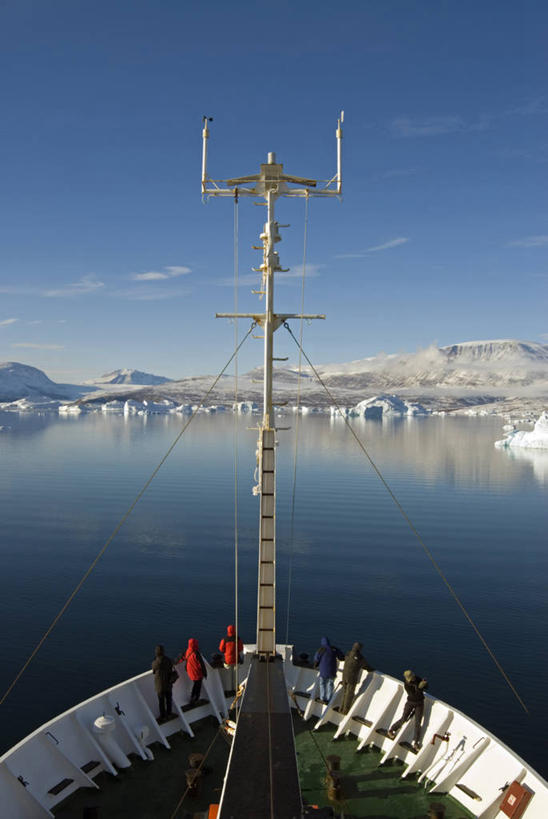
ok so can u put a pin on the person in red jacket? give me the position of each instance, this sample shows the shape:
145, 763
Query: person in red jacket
195, 668
228, 647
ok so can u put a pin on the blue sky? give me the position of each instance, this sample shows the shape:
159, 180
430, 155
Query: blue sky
442, 235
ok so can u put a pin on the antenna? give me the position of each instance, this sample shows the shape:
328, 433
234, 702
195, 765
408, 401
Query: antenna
271, 177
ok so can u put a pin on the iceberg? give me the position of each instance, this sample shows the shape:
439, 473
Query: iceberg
41, 404
245, 406
70, 409
537, 438
113, 406
155, 407
382, 405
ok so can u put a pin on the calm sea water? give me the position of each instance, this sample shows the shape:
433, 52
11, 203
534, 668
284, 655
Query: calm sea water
358, 572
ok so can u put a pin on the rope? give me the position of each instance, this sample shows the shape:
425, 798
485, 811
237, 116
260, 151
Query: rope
199, 768
235, 438
119, 525
414, 530
297, 425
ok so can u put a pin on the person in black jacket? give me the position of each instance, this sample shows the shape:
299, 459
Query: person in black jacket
162, 669
414, 687
354, 661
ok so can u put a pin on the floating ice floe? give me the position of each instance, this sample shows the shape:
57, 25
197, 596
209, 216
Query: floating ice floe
245, 406
31, 405
155, 407
70, 409
184, 409
113, 406
382, 405
537, 438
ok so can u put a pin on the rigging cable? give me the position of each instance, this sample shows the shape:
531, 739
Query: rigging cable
120, 523
235, 439
297, 424
413, 528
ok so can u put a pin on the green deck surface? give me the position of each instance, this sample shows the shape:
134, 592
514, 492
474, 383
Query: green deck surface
152, 790
368, 790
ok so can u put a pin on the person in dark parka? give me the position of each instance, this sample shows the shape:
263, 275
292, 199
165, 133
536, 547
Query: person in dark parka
162, 668
354, 662
414, 688
325, 659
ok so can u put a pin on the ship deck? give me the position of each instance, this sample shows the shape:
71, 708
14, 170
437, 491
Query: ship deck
152, 790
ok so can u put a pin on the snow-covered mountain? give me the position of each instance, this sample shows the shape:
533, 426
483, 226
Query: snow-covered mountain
21, 381
502, 350
473, 364
127, 376
459, 375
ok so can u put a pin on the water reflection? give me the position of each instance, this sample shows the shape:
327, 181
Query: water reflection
536, 458
455, 449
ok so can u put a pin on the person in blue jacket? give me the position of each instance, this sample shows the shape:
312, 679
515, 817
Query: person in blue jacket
325, 659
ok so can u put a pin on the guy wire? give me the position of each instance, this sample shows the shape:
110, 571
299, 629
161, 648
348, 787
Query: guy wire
297, 424
235, 437
413, 528
119, 525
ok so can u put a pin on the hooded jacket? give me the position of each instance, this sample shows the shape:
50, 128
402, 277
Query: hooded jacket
195, 666
326, 658
228, 646
354, 661
415, 689
162, 667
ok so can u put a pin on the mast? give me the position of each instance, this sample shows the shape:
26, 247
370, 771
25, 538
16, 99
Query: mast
269, 184
262, 779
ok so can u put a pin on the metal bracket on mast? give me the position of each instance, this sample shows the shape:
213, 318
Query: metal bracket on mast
269, 184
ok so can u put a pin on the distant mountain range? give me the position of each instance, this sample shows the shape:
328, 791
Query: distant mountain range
473, 372
129, 377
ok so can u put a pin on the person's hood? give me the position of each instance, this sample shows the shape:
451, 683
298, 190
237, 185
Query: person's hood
159, 651
193, 644
325, 642
231, 631
356, 647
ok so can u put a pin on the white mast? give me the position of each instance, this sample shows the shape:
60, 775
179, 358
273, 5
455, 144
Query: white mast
269, 184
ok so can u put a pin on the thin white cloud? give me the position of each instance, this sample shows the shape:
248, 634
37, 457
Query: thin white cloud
529, 241
362, 254
401, 240
31, 346
437, 125
534, 105
87, 284
296, 272
8, 321
169, 272
430, 126
147, 294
